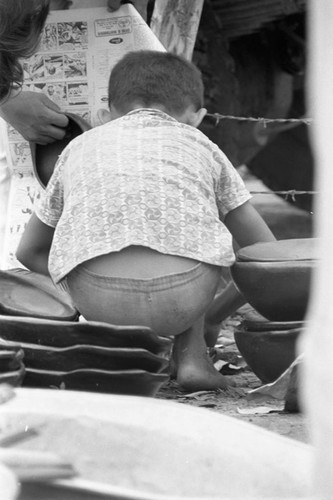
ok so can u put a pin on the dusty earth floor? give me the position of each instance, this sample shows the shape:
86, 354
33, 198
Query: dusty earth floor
234, 401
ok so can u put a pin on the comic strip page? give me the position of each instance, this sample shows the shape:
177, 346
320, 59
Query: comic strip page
78, 49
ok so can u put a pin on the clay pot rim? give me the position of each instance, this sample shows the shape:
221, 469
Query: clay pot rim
271, 333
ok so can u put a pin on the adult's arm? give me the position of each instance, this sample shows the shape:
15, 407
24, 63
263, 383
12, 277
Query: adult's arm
34, 247
34, 116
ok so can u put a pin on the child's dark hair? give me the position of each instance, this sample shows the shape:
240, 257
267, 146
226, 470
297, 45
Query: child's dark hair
21, 24
155, 78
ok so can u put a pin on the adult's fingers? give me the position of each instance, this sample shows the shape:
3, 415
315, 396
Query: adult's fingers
50, 127
34, 116
55, 119
114, 4
50, 134
52, 113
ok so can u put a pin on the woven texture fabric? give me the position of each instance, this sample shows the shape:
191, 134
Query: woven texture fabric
144, 179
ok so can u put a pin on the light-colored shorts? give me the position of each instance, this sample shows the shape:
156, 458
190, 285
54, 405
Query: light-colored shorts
167, 304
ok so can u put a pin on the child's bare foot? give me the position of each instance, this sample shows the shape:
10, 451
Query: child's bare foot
205, 378
191, 365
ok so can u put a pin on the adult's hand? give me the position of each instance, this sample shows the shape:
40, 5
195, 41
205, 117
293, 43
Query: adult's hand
140, 5
114, 4
34, 116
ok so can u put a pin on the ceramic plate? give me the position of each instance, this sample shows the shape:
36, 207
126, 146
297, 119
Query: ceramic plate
69, 333
134, 382
85, 356
138, 448
24, 293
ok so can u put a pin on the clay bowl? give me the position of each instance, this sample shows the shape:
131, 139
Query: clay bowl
267, 352
253, 321
70, 333
127, 382
86, 356
44, 157
275, 277
24, 293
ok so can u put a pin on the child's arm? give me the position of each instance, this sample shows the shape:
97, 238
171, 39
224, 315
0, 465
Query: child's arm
247, 226
34, 247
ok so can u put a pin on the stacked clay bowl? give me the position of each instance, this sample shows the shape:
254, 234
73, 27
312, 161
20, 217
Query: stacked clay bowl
25, 293
89, 356
268, 347
275, 279
39, 321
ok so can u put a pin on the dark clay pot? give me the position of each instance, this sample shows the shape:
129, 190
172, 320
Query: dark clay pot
275, 277
44, 157
267, 352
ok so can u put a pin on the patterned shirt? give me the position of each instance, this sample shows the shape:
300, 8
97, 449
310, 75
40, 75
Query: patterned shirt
143, 179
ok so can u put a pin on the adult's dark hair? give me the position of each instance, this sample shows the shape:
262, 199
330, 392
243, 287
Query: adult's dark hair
21, 24
150, 77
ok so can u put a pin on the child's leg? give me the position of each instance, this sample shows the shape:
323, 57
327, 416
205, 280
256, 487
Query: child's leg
168, 304
225, 303
194, 369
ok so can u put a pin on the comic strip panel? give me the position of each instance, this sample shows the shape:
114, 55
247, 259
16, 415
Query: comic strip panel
73, 35
75, 65
49, 40
33, 68
78, 94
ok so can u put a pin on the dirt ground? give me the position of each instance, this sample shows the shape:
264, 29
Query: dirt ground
235, 402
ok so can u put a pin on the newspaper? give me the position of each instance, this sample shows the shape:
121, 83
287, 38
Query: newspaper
78, 49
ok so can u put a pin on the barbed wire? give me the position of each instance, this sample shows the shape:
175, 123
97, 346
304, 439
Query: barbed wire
218, 117
290, 193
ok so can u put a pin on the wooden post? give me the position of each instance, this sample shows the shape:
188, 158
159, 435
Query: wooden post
317, 342
175, 23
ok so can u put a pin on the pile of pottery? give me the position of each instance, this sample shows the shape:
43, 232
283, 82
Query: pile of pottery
39, 322
275, 279
268, 347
